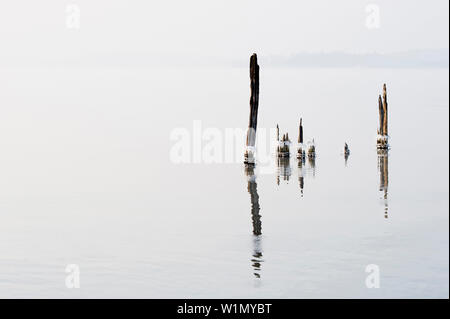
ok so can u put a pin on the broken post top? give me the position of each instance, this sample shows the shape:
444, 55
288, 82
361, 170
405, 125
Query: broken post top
300, 132
254, 91
254, 67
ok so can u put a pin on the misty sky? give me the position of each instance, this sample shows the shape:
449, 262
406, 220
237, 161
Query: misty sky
218, 28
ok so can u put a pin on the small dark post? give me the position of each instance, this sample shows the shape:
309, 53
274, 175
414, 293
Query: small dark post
254, 101
300, 132
300, 151
346, 153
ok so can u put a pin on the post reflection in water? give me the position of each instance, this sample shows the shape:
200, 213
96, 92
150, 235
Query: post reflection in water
256, 220
283, 169
383, 168
312, 165
346, 155
301, 174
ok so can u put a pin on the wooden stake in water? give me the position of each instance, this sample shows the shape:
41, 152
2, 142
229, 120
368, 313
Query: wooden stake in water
283, 148
253, 119
300, 150
382, 141
346, 152
300, 132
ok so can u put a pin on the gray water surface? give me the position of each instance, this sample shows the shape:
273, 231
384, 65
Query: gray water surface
86, 179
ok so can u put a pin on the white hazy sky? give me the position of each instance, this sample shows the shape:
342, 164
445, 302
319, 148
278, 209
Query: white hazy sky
218, 28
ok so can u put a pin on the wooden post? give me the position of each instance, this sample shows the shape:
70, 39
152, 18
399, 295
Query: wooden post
253, 119
300, 151
381, 111
283, 148
383, 137
300, 132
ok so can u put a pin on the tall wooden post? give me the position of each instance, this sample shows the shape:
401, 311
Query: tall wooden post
383, 137
300, 150
254, 101
300, 132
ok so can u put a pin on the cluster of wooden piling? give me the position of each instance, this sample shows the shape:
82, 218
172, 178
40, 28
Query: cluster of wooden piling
284, 144
283, 148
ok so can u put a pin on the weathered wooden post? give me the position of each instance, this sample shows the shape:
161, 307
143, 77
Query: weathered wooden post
283, 149
383, 137
300, 146
283, 144
253, 119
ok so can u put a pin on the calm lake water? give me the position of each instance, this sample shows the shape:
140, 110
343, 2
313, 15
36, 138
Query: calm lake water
86, 179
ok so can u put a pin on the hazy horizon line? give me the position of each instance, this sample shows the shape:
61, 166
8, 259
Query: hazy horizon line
419, 58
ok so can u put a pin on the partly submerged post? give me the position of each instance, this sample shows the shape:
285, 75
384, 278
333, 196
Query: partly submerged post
383, 137
283, 148
300, 150
312, 149
254, 100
